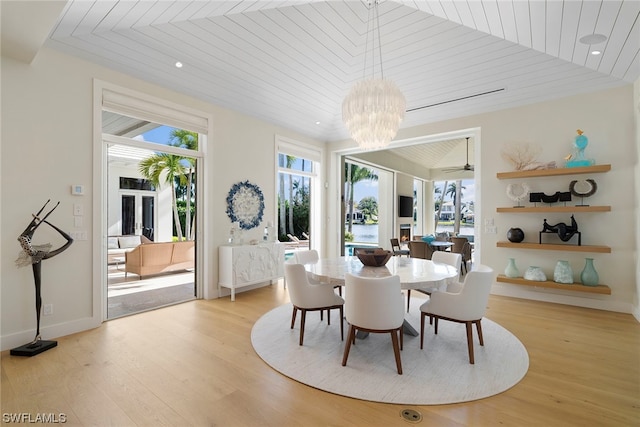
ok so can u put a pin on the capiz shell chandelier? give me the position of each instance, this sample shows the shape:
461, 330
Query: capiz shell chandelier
372, 112
374, 108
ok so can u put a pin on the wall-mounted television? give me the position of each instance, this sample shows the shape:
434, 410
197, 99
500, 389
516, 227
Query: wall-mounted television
405, 206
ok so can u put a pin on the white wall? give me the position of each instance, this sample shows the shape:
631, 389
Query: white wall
404, 187
607, 118
47, 145
636, 156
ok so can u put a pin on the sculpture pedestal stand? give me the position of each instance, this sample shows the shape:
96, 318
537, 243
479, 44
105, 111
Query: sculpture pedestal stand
32, 349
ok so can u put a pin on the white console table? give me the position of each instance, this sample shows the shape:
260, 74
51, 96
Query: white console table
244, 265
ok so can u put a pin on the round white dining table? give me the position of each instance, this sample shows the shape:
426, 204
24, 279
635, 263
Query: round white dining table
414, 273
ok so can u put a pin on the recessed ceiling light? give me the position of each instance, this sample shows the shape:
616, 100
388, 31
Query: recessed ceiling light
595, 52
593, 39
178, 64
318, 122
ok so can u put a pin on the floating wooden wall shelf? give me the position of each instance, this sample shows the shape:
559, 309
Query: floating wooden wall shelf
554, 172
556, 247
578, 287
572, 209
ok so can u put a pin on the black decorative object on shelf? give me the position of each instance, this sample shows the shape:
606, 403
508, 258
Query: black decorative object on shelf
515, 235
565, 232
553, 198
535, 197
583, 188
564, 196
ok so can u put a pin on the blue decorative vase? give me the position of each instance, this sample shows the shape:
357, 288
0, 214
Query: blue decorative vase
512, 269
563, 273
589, 275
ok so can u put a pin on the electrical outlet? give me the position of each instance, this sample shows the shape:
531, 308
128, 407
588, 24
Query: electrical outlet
48, 309
491, 230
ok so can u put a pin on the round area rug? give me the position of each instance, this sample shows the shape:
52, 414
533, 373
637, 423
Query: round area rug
438, 374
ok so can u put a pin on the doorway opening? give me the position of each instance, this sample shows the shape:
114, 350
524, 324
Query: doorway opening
151, 212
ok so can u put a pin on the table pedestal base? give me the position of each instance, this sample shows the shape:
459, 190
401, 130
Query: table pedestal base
407, 329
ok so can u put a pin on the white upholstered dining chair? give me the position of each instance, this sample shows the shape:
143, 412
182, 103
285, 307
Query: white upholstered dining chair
306, 256
305, 296
374, 305
442, 257
309, 257
468, 306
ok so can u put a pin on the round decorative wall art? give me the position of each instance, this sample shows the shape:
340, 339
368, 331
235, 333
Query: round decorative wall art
245, 205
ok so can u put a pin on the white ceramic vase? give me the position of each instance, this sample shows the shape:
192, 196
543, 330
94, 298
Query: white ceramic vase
563, 273
535, 274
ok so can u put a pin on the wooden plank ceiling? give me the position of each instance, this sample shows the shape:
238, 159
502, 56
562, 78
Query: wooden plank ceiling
292, 62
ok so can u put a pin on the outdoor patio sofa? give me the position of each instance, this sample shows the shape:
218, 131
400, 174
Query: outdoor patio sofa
160, 257
118, 245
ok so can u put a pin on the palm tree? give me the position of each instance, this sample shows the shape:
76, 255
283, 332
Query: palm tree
172, 167
186, 139
452, 191
455, 191
354, 174
442, 194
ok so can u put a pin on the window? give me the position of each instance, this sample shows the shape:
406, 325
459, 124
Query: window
298, 193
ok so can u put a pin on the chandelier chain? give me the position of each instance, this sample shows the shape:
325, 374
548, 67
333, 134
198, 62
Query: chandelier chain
375, 33
374, 108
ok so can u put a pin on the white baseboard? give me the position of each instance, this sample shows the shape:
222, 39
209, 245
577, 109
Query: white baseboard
598, 302
48, 332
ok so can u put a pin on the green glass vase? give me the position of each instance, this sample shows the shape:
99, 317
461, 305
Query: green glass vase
511, 270
589, 275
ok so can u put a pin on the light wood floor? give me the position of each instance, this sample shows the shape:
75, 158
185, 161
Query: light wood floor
193, 364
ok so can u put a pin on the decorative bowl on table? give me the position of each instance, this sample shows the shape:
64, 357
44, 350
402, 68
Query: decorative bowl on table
373, 257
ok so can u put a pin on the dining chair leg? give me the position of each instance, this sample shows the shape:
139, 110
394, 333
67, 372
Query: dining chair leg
479, 328
293, 316
303, 316
401, 332
469, 326
329, 316
396, 349
408, 298
347, 345
435, 325
341, 323
422, 316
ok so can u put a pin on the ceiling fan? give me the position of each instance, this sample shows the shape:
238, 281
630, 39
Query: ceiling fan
466, 167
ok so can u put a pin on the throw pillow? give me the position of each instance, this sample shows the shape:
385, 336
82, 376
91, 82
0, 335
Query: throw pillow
129, 241
112, 243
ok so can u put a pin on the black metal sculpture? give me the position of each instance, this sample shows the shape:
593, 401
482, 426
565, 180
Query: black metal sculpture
565, 232
33, 255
